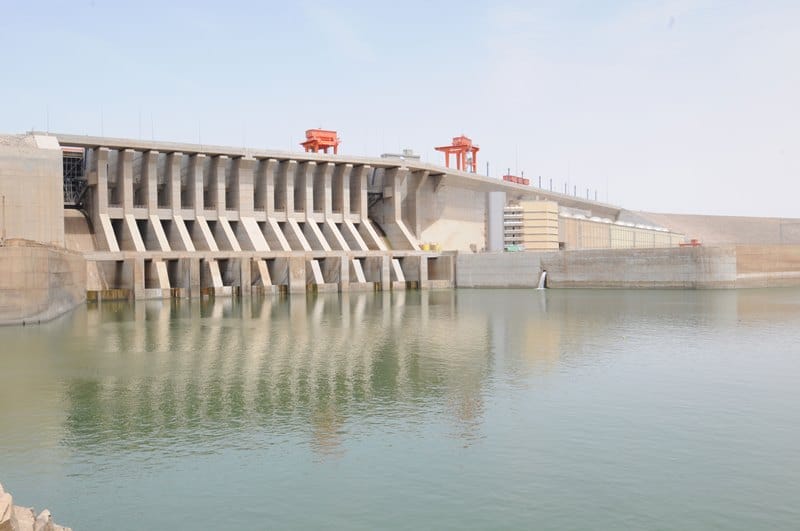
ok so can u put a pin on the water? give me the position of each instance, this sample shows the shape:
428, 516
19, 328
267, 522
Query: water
463, 409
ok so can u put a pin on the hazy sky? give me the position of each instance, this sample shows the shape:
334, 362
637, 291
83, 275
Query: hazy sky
675, 106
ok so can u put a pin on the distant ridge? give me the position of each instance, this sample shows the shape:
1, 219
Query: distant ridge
722, 230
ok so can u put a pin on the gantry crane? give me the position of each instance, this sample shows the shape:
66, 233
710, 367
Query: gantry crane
320, 140
466, 154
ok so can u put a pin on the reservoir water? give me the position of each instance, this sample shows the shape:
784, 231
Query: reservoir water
466, 409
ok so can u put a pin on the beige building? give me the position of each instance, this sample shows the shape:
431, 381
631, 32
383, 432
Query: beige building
538, 225
576, 232
533, 225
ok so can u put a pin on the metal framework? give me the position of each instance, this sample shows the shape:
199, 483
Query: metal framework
74, 175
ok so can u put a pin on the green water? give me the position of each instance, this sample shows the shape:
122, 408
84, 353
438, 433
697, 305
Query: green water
420, 410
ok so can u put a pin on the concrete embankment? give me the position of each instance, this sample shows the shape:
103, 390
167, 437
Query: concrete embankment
681, 268
677, 268
499, 270
16, 518
39, 282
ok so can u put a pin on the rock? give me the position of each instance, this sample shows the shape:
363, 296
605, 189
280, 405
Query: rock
6, 511
16, 518
24, 518
44, 522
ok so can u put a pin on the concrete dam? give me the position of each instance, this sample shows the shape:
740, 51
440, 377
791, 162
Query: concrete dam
105, 218
179, 220
174, 220
160, 219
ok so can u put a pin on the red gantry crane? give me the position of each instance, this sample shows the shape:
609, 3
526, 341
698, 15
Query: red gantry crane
466, 154
320, 140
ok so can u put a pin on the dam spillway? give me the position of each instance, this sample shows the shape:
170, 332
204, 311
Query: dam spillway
181, 220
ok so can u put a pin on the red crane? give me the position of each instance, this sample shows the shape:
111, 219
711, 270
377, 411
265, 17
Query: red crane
320, 140
466, 154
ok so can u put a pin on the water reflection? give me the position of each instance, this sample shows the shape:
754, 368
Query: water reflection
167, 374
321, 370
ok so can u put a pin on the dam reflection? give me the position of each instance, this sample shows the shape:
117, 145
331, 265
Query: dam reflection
173, 372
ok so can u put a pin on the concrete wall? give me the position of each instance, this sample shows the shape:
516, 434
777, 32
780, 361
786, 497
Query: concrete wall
31, 189
495, 206
77, 232
453, 217
767, 265
686, 267
38, 283
744, 266
499, 270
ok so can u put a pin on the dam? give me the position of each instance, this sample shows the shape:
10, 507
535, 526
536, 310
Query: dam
178, 220
160, 219
102, 218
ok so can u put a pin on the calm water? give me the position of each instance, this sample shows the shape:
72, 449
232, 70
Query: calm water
437, 410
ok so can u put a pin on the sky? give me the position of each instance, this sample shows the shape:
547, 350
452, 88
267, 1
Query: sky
668, 106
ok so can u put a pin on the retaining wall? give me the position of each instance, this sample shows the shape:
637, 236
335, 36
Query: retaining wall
679, 268
499, 270
39, 283
683, 267
767, 266
31, 189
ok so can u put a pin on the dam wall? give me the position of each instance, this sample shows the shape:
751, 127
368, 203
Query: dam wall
453, 217
499, 269
162, 220
39, 283
742, 266
182, 220
759, 266
39, 278
681, 268
31, 195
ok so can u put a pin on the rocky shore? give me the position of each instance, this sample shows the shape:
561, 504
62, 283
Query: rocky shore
16, 518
